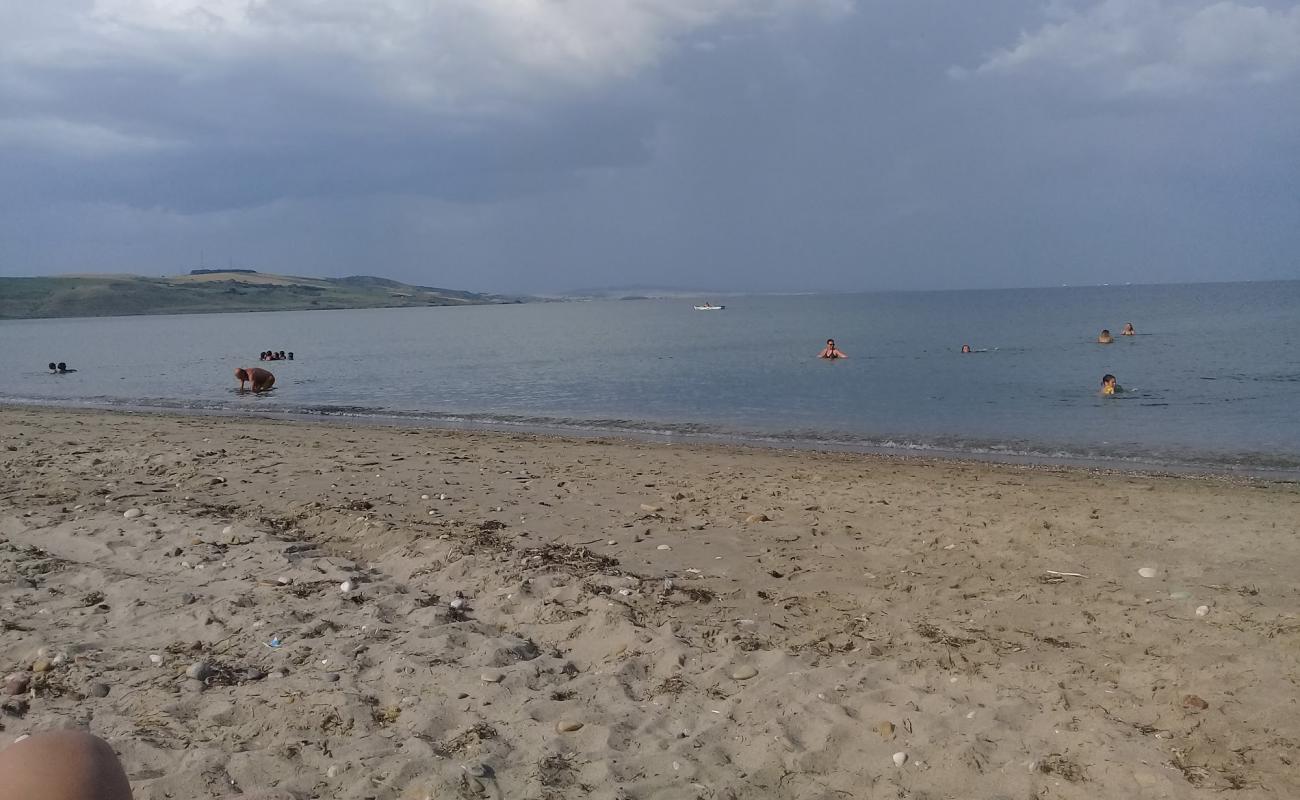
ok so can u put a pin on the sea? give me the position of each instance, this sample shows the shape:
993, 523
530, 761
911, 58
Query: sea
1211, 382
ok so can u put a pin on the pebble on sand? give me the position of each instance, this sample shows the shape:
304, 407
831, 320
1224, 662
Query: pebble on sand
651, 509
567, 726
663, 547
1192, 702
156, 660
885, 729
198, 671
744, 672
900, 758
1147, 572
17, 683
1202, 610
753, 518
345, 587
492, 677
132, 513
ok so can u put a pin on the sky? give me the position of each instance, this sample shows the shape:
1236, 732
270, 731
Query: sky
746, 145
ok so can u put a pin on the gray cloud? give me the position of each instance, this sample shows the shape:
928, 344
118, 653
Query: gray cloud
771, 144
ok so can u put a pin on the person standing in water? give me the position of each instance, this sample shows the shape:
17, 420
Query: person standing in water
260, 380
831, 351
1105, 337
1128, 330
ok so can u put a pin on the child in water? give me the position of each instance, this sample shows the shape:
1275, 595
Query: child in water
1109, 386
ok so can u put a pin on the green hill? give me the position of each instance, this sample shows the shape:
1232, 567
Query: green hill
212, 293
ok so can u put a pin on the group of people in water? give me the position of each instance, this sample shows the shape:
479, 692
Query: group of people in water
1109, 385
272, 355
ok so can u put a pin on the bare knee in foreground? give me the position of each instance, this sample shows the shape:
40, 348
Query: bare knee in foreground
62, 765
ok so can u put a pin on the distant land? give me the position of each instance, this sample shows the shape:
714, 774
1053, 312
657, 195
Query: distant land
215, 291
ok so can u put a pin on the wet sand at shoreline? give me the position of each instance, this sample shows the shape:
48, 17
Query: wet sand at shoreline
537, 617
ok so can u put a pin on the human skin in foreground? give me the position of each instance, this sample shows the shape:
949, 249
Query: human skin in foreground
71, 765
62, 765
259, 379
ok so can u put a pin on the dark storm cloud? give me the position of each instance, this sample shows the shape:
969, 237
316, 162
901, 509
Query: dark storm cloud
770, 145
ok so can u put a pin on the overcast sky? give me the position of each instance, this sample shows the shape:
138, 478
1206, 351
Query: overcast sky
532, 145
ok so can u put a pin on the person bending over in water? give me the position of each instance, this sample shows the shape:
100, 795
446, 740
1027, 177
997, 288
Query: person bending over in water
1109, 385
1128, 330
831, 351
259, 379
1105, 337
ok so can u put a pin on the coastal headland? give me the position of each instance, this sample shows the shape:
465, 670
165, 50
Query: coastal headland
335, 611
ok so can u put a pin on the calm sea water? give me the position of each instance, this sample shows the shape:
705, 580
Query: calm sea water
1213, 379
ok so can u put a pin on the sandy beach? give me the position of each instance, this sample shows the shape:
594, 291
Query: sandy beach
332, 611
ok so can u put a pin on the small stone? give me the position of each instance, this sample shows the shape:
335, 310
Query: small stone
331, 677
283, 580
132, 513
345, 587
199, 671
744, 672
156, 660
1147, 572
884, 729
188, 599
229, 530
17, 683
1193, 703
663, 547
900, 758
651, 509
567, 726
492, 677
753, 518
477, 771
254, 674
1202, 610
41, 665
424, 497
333, 771
97, 690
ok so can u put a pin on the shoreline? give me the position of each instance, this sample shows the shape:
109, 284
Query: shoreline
481, 423
406, 613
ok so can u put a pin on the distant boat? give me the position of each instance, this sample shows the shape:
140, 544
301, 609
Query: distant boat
709, 307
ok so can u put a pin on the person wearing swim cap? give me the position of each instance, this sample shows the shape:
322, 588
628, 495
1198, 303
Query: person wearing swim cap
260, 380
831, 351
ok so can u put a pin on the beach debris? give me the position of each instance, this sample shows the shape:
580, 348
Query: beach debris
132, 513
1202, 610
885, 729
275, 642
900, 758
567, 726
744, 672
1065, 574
16, 683
1193, 702
1147, 572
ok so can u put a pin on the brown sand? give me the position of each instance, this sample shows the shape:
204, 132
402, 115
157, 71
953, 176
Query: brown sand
723, 623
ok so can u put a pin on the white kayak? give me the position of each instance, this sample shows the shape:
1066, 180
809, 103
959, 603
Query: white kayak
709, 308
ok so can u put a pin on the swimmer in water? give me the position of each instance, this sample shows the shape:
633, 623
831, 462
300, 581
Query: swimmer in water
54, 368
1105, 337
1109, 386
966, 348
259, 379
1128, 330
63, 369
831, 351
